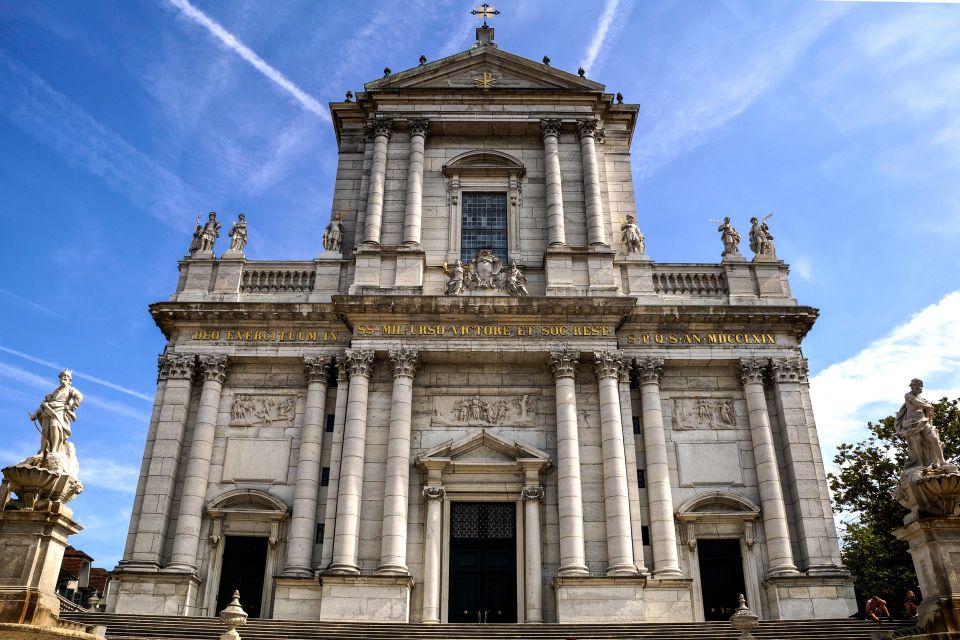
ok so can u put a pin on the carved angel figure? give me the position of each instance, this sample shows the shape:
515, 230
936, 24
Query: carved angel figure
238, 234
514, 281
455, 277
333, 234
632, 238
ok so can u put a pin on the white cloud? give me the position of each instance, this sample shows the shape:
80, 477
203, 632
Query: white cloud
871, 384
607, 31
109, 474
77, 374
50, 117
234, 44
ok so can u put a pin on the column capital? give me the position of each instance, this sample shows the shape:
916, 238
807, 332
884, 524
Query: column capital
175, 366
789, 369
625, 371
590, 129
564, 363
405, 362
550, 127
649, 370
752, 370
532, 493
608, 364
214, 367
359, 362
419, 127
434, 493
343, 368
316, 367
380, 127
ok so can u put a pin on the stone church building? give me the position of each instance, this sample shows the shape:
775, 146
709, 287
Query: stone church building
483, 402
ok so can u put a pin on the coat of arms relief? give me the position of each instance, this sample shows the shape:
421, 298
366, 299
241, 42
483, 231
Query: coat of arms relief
703, 413
459, 411
486, 271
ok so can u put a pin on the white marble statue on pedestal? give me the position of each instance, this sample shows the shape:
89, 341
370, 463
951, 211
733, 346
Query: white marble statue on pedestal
632, 237
914, 424
238, 236
730, 238
333, 234
761, 240
53, 418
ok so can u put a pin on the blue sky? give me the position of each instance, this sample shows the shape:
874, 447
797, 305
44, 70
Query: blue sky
120, 121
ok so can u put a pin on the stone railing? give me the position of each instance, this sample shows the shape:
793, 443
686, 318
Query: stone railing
277, 277
696, 280
69, 605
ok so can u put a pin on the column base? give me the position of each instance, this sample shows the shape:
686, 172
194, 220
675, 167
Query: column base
367, 598
392, 570
801, 597
573, 570
622, 599
297, 572
622, 570
162, 593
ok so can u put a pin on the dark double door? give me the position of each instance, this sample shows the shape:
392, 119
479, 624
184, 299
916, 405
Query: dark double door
721, 577
483, 562
242, 569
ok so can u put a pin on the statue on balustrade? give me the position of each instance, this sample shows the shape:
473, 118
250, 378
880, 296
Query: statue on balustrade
761, 240
914, 423
632, 238
197, 234
333, 235
730, 238
455, 284
209, 234
238, 235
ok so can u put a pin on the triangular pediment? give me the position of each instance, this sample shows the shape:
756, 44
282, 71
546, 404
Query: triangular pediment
485, 68
483, 447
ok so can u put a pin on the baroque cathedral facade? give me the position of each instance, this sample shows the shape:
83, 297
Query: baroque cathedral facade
483, 402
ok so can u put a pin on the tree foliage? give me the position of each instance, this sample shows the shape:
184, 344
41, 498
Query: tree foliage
867, 473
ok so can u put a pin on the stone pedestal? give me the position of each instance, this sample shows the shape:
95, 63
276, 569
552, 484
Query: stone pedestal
296, 598
620, 599
366, 598
155, 593
804, 597
31, 550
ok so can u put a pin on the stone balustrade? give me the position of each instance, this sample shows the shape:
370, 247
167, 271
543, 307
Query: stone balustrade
277, 277
696, 280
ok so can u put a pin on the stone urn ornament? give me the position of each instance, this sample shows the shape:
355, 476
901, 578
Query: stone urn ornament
233, 616
744, 620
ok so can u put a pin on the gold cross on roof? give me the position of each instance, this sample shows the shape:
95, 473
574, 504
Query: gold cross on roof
485, 81
485, 11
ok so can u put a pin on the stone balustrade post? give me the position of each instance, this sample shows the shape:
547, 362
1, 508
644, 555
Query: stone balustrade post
432, 556
533, 561
616, 497
414, 204
378, 172
773, 511
193, 495
550, 132
663, 532
569, 493
589, 131
303, 522
350, 490
393, 549
158, 469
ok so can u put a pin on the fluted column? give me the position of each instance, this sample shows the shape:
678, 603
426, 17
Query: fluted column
663, 533
533, 560
630, 457
414, 205
393, 546
336, 451
550, 131
214, 369
616, 498
159, 470
378, 172
569, 494
432, 558
589, 131
303, 522
772, 508
350, 491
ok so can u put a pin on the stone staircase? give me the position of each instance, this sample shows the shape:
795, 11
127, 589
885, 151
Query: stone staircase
130, 627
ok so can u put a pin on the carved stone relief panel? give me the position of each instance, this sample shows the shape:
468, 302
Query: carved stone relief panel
476, 410
703, 413
263, 410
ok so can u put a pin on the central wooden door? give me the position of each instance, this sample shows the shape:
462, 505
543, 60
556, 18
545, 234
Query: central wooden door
483, 562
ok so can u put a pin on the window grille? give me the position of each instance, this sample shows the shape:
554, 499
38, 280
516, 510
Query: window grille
483, 520
483, 224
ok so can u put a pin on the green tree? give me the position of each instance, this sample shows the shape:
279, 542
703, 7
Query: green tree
867, 473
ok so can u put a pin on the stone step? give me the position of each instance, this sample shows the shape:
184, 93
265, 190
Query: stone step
134, 627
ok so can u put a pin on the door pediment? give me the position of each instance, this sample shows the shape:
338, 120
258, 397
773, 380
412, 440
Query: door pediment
483, 451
